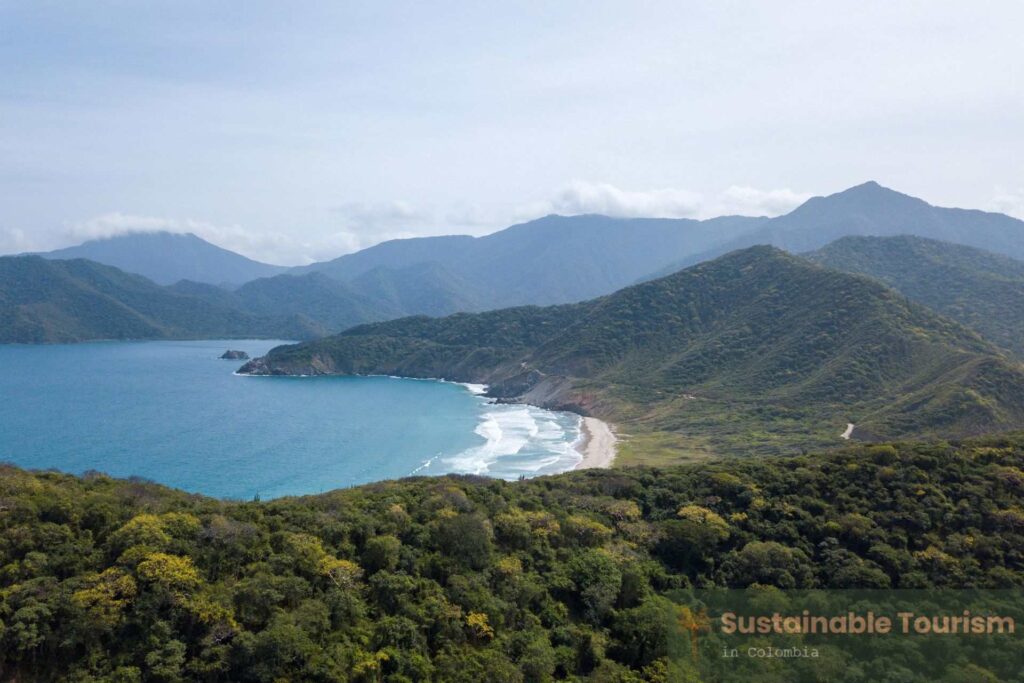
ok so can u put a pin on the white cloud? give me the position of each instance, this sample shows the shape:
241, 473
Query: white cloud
357, 225
117, 223
604, 198
271, 247
581, 197
750, 201
354, 226
15, 241
1010, 202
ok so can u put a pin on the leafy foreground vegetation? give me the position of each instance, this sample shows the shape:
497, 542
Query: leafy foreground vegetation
569, 577
755, 352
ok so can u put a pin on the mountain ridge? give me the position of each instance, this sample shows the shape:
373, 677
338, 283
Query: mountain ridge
756, 335
167, 257
980, 289
60, 301
871, 209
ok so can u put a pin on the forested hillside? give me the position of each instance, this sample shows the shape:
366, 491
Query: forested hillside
571, 577
48, 301
757, 351
51, 301
982, 290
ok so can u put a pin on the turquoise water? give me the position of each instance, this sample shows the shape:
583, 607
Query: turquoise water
175, 413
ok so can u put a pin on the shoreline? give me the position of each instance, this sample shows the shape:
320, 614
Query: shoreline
597, 444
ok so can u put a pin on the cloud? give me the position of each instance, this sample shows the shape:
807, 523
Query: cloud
750, 201
272, 247
604, 198
581, 197
15, 241
352, 226
356, 225
1010, 202
116, 223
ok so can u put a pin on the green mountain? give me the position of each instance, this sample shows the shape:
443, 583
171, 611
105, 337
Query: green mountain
755, 351
426, 288
166, 258
49, 301
590, 575
334, 305
870, 209
73, 300
982, 290
556, 259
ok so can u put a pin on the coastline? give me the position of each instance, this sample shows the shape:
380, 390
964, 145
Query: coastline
597, 444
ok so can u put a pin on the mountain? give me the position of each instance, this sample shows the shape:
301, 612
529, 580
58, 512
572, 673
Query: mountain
556, 259
50, 301
165, 258
426, 288
870, 209
334, 305
982, 290
56, 300
757, 351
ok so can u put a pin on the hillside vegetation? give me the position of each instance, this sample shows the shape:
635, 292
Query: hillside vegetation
982, 290
571, 577
48, 301
52, 301
757, 351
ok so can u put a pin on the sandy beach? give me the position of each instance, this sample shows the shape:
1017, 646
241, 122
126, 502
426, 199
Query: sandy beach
598, 444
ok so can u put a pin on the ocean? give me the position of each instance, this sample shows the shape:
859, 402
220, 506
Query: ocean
174, 413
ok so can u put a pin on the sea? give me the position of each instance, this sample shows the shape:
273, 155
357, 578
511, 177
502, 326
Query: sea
173, 412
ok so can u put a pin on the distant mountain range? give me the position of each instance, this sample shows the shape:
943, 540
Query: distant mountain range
552, 260
557, 260
982, 290
48, 301
755, 351
166, 258
870, 209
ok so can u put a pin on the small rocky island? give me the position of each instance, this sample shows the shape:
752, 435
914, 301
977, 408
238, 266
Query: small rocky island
235, 355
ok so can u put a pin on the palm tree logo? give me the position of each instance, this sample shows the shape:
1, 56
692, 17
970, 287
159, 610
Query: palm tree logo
694, 623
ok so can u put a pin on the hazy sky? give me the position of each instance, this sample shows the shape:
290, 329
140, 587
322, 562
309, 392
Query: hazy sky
298, 131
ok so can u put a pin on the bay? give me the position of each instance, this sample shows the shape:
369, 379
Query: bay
173, 412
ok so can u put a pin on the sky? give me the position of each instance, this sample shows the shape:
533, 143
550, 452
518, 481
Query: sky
293, 132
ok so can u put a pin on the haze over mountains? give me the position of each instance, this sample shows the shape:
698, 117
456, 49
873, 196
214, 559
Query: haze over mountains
756, 351
870, 209
166, 258
560, 259
555, 259
551, 260
50, 301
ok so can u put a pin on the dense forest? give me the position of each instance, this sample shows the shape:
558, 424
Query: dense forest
755, 352
982, 290
572, 577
